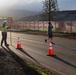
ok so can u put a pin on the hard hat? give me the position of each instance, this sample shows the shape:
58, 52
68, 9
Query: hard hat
5, 20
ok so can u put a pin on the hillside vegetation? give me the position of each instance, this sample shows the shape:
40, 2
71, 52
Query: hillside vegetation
60, 15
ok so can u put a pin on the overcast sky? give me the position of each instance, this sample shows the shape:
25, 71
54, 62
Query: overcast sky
35, 5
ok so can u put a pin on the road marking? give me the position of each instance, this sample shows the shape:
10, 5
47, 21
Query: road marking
30, 40
74, 49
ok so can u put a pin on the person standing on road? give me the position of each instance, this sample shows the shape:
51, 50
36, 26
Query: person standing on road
50, 33
4, 33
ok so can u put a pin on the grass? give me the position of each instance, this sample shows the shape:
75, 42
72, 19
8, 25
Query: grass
66, 33
35, 70
33, 30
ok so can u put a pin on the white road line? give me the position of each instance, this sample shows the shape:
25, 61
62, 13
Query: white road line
30, 40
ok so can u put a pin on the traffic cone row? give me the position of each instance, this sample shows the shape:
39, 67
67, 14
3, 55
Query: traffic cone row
18, 44
50, 50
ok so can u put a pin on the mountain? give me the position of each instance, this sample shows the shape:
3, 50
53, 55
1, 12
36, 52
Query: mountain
60, 15
69, 15
31, 18
16, 13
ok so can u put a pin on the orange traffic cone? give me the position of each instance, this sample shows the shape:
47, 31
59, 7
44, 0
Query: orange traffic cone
18, 44
50, 50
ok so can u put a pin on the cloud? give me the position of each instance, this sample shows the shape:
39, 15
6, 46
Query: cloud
21, 4
35, 5
32, 5
7, 3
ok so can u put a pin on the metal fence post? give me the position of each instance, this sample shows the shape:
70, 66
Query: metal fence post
71, 27
43, 25
38, 25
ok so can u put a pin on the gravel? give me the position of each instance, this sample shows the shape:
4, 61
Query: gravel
8, 66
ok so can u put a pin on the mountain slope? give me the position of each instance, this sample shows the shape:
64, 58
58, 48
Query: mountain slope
16, 13
60, 15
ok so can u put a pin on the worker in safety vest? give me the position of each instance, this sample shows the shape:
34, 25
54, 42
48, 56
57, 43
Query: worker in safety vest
4, 33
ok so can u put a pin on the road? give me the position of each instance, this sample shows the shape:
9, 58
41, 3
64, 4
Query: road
35, 49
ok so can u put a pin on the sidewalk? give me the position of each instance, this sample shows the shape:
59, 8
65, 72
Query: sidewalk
8, 66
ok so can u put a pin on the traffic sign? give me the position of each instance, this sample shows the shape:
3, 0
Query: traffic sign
10, 19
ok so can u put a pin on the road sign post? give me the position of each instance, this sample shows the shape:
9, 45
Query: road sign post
10, 20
